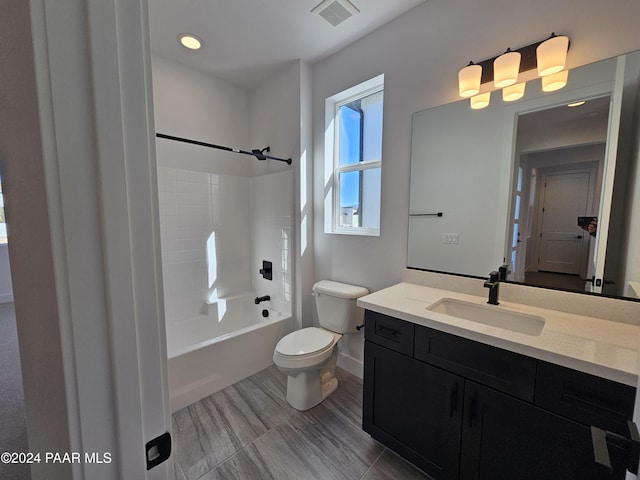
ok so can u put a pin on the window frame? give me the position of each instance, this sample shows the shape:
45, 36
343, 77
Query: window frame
4, 237
333, 169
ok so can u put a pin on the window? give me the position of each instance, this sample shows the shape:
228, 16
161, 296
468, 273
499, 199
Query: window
3, 225
353, 159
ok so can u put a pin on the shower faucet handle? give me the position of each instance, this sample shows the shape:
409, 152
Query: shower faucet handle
267, 270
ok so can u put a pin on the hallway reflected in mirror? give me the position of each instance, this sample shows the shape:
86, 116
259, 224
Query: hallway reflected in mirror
556, 280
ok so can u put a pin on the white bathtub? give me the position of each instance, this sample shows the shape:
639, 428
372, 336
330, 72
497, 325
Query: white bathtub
229, 341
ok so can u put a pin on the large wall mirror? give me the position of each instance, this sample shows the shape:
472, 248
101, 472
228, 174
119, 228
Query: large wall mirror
549, 189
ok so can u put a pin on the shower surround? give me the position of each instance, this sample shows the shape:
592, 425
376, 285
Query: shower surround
216, 229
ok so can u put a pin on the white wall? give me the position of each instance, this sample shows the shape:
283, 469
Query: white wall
247, 203
420, 54
194, 105
274, 121
6, 289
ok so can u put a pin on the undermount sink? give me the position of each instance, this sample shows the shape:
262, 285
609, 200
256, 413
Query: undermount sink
492, 315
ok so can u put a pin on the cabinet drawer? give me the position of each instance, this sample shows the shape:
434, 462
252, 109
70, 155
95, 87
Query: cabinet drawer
505, 371
389, 332
585, 398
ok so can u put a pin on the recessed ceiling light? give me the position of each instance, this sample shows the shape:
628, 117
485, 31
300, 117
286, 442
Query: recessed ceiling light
576, 104
190, 41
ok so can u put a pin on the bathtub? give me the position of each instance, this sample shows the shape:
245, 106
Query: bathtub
229, 340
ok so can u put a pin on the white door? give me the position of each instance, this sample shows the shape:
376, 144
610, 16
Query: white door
78, 133
562, 242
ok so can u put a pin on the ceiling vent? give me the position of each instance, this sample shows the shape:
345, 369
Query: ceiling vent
335, 11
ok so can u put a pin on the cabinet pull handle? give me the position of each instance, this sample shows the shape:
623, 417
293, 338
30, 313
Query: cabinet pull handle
631, 444
575, 401
453, 401
388, 333
601, 450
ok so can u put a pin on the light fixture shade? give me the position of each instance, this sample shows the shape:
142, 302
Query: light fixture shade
469, 80
505, 69
556, 81
480, 101
551, 55
513, 92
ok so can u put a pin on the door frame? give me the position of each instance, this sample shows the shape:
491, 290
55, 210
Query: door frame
78, 160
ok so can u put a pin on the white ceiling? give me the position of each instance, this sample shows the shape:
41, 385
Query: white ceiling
246, 41
556, 118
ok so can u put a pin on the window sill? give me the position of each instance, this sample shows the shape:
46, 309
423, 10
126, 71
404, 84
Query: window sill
356, 233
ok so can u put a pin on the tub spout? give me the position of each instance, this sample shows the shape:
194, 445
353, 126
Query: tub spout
258, 300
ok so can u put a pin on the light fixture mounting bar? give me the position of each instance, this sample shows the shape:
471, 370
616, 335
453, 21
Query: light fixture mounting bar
528, 61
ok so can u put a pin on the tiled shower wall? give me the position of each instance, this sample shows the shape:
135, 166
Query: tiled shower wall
215, 232
271, 204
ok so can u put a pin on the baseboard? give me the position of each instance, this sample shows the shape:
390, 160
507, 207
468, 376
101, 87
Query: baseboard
6, 298
351, 365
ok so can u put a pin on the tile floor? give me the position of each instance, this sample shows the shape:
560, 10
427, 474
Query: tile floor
249, 432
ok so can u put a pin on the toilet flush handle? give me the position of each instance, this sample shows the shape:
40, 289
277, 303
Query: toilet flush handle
360, 327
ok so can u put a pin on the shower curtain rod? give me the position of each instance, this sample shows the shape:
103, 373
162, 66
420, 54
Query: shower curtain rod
259, 154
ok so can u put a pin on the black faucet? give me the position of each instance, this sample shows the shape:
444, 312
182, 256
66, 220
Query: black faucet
493, 284
504, 271
258, 300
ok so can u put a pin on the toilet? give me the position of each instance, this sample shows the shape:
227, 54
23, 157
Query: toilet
308, 356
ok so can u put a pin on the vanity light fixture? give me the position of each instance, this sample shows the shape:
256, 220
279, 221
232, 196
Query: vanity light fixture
469, 80
513, 92
480, 101
506, 69
190, 41
556, 81
551, 55
546, 58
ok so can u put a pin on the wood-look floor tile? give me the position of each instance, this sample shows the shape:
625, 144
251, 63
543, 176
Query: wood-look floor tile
189, 453
281, 454
177, 472
346, 406
272, 381
215, 428
248, 432
343, 443
390, 466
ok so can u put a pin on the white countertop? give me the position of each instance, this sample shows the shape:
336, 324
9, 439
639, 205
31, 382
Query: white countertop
600, 347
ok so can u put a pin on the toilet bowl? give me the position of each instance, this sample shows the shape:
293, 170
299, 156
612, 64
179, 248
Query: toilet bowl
308, 356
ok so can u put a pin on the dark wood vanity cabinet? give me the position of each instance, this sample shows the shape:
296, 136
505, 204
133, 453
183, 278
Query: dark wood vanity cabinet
459, 409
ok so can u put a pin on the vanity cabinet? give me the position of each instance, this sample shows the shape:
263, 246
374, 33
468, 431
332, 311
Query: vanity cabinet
459, 409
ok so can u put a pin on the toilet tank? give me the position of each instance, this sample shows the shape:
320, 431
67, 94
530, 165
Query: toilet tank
336, 305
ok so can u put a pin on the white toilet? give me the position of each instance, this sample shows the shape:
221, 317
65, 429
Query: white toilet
308, 356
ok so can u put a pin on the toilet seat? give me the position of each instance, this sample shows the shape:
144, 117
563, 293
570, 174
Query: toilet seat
304, 343
314, 350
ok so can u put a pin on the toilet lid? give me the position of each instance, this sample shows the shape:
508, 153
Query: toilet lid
305, 341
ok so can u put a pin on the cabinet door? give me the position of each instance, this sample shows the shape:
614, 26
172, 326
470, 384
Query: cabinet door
414, 409
506, 438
